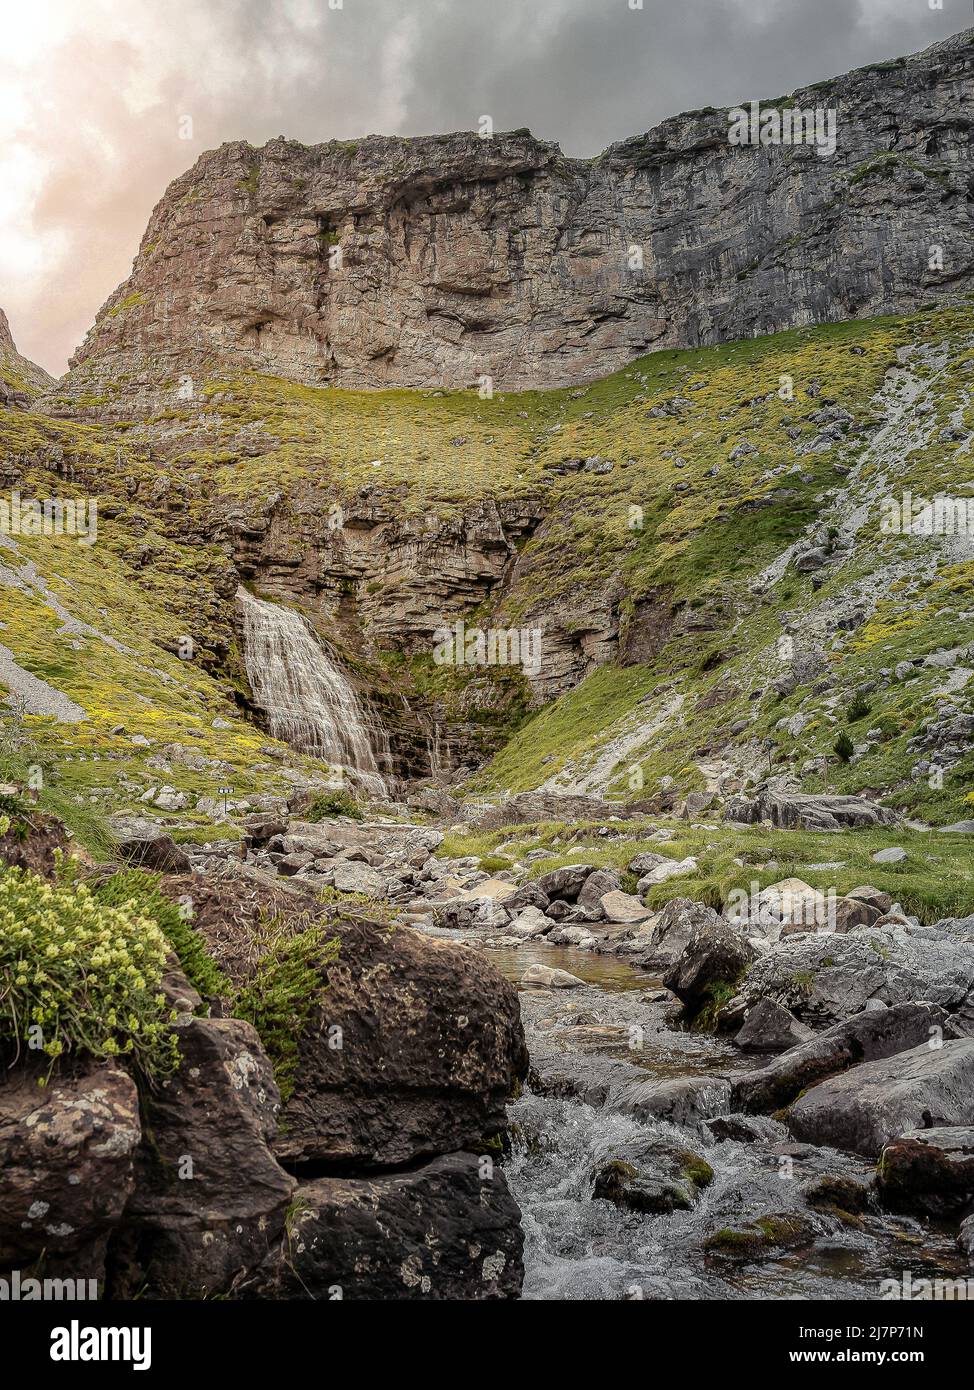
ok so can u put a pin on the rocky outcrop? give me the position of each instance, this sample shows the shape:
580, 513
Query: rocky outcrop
794, 811
20, 379
444, 260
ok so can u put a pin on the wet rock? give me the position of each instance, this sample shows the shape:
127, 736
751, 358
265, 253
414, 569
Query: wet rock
661, 1177
770, 1028
67, 1157
863, 1109
869, 1036
756, 1240
743, 1129
837, 1193
928, 1170
546, 977
965, 1239
449, 1229
682, 1100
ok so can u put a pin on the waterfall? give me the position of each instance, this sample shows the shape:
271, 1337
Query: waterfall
306, 699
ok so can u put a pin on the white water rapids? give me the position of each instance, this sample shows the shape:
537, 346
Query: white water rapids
305, 697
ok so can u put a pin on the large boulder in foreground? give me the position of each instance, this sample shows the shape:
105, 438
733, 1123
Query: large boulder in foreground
863, 1109
929, 1171
824, 979
67, 1162
868, 1036
210, 1199
412, 1048
449, 1229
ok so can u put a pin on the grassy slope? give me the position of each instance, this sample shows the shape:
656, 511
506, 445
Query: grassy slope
695, 552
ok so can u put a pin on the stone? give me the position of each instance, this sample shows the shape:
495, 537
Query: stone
528, 895
823, 979
442, 1230
894, 855
67, 1155
670, 868
715, 956
760, 1239
965, 1240
672, 928
195, 1231
566, 883
596, 886
531, 921
623, 908
352, 877
546, 977
770, 1028
930, 1171
799, 811
473, 302
874, 897
680, 1100
659, 1177
863, 1109
874, 1034
145, 844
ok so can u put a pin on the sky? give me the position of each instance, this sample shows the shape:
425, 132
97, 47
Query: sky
103, 102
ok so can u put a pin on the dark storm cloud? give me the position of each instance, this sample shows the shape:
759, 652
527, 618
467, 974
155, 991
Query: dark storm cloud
103, 106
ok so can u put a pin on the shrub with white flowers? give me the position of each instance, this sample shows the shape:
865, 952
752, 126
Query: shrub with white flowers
80, 977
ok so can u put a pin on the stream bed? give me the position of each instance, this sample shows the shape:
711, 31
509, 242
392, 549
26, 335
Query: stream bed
578, 1247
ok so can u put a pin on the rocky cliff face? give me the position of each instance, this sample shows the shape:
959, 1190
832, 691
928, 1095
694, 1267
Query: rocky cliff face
20, 379
436, 262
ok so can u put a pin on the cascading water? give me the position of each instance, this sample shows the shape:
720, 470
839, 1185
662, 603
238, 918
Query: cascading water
306, 699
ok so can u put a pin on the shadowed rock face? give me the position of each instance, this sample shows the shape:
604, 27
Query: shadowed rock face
438, 261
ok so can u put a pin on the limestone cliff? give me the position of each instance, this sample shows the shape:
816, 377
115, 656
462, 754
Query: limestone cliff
435, 262
20, 379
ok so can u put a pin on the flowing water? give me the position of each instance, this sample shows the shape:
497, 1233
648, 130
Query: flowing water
306, 699
580, 1248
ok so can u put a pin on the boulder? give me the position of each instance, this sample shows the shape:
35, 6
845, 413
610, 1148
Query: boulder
965, 1239
875, 897
762, 1238
565, 883
210, 1198
546, 977
673, 926
768, 1027
715, 956
412, 1047
528, 895
823, 979
143, 843
660, 1177
352, 877
531, 921
681, 1100
863, 1109
669, 868
893, 855
597, 885
930, 1171
873, 1034
449, 1229
796, 811
67, 1158
622, 907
